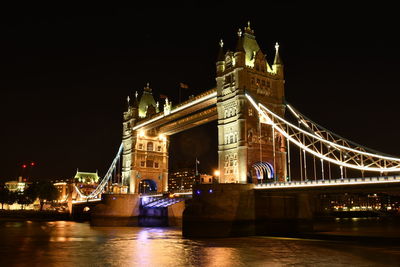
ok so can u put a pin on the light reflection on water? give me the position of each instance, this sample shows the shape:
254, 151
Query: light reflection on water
77, 244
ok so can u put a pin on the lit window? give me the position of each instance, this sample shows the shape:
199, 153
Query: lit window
250, 112
150, 146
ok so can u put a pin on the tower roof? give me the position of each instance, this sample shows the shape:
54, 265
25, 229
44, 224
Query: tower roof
146, 100
250, 44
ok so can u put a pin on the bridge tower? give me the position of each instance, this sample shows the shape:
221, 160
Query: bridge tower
145, 152
242, 140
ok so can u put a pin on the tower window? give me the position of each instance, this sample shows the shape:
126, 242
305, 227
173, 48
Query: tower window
149, 163
159, 148
142, 164
140, 146
150, 146
156, 165
250, 112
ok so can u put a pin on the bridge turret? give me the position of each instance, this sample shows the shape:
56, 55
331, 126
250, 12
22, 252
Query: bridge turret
277, 67
242, 142
220, 59
240, 52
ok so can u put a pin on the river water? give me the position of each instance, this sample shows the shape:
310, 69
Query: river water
65, 243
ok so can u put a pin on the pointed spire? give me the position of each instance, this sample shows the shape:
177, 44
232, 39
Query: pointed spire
147, 88
248, 30
127, 102
136, 100
221, 51
239, 45
277, 60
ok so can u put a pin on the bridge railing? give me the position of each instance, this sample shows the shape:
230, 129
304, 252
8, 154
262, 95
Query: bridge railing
332, 182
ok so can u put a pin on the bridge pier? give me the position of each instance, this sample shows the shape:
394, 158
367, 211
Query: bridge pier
116, 210
222, 210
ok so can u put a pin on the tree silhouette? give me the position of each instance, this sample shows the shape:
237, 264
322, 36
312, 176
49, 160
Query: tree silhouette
44, 190
3, 195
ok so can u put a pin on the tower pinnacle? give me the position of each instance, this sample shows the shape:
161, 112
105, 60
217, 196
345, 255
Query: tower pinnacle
277, 60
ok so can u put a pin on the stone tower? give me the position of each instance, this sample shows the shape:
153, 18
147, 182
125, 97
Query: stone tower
145, 153
242, 140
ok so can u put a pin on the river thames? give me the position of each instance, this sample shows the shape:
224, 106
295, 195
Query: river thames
66, 243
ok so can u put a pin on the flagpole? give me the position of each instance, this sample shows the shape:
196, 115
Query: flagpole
196, 168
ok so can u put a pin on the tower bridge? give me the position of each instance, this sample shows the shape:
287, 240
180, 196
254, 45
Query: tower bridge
256, 138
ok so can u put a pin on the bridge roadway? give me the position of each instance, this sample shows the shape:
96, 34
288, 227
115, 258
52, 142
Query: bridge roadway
380, 183
191, 113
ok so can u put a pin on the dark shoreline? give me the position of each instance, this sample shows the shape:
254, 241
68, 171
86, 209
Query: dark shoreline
33, 215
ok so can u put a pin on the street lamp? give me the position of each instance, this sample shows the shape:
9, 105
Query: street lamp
216, 174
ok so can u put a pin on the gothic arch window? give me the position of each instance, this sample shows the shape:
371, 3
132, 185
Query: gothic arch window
231, 139
150, 146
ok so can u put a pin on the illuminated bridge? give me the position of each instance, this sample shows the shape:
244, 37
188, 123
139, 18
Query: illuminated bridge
264, 143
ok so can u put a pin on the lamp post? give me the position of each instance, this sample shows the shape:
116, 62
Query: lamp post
217, 174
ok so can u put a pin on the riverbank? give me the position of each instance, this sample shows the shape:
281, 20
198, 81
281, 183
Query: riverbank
33, 215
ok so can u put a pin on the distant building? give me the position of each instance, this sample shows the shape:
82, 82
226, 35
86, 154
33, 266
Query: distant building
206, 179
86, 177
185, 178
86, 181
181, 179
16, 186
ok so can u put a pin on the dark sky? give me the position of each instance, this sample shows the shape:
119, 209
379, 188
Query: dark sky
65, 75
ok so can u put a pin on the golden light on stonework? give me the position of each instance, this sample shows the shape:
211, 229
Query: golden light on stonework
162, 137
141, 133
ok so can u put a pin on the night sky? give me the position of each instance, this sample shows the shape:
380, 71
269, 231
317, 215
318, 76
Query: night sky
65, 76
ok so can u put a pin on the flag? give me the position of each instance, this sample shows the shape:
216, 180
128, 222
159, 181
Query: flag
197, 161
184, 85
163, 96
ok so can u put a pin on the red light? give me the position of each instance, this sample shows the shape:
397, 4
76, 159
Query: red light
24, 166
32, 163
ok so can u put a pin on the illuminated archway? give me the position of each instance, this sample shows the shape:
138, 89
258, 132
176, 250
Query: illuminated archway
147, 186
264, 170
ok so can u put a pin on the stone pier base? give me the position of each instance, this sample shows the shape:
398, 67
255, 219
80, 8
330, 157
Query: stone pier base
225, 210
116, 210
